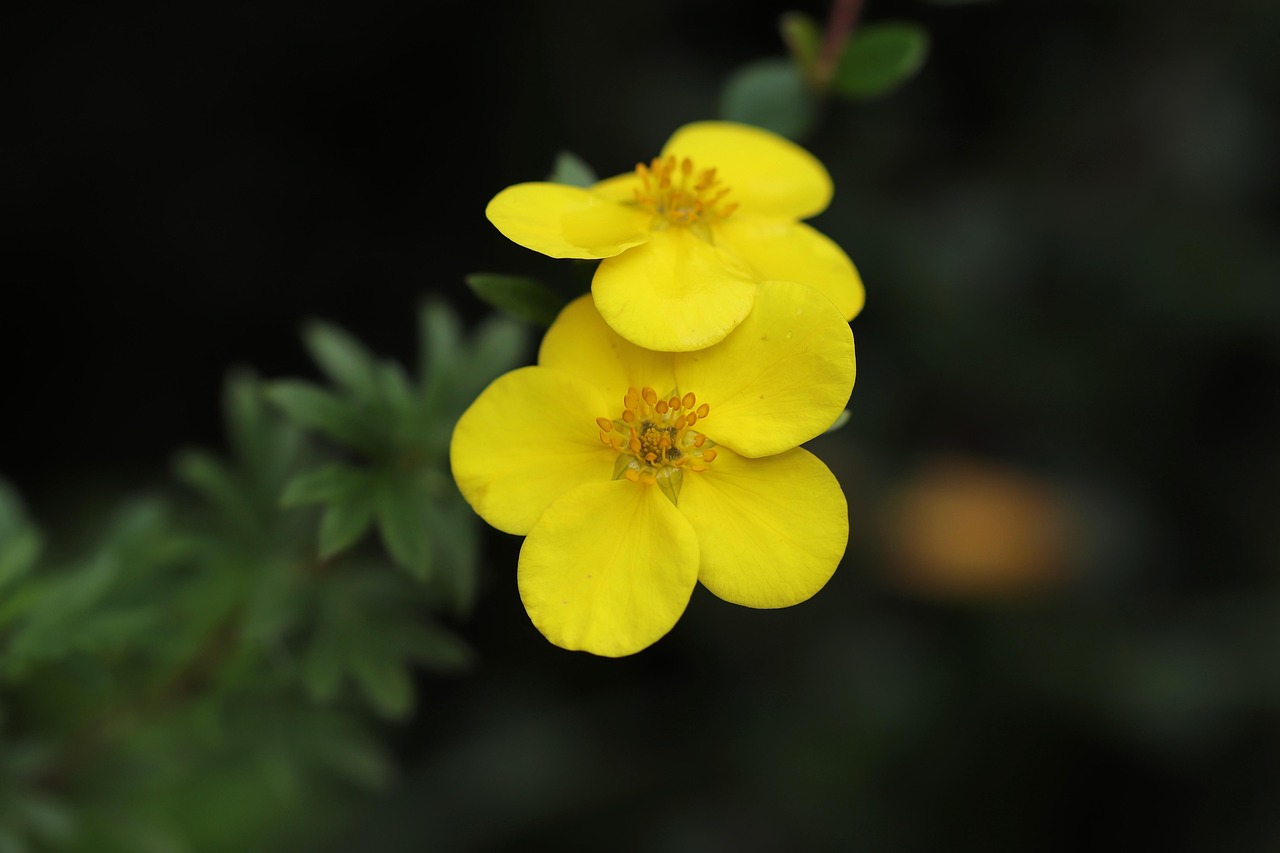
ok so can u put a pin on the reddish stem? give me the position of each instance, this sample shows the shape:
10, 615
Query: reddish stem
840, 24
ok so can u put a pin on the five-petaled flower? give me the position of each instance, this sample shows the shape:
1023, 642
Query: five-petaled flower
687, 238
635, 474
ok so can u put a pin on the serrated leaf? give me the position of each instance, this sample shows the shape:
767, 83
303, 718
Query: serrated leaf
385, 682
773, 94
402, 510
451, 524
342, 357
312, 407
571, 169
521, 297
803, 38
357, 758
344, 522
333, 482
879, 57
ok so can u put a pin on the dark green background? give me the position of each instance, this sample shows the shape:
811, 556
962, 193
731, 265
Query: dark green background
1067, 225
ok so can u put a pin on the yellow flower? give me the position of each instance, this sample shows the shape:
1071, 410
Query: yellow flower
686, 239
635, 474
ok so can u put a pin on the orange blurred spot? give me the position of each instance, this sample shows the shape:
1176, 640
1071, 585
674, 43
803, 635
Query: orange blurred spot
963, 527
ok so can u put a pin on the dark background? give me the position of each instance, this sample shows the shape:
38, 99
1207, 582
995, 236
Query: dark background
1057, 624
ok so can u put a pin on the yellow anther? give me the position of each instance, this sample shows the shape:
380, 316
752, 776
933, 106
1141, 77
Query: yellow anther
605, 424
633, 475
629, 416
691, 419
674, 403
703, 410
650, 396
661, 408
688, 400
699, 440
709, 455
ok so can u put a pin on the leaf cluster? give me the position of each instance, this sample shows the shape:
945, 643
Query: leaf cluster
217, 658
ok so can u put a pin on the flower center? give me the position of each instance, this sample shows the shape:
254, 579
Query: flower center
656, 441
678, 194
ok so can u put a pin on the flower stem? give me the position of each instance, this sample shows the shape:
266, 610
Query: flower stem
840, 25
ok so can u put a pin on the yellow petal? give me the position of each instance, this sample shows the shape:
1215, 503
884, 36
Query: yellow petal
608, 568
771, 531
620, 189
782, 249
527, 439
580, 343
566, 222
781, 378
675, 293
767, 174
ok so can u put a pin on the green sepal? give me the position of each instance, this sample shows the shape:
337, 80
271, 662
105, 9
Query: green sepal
803, 38
670, 479
841, 420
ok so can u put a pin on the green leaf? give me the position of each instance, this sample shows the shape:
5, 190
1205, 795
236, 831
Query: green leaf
803, 37
343, 359
385, 682
345, 522
499, 345
439, 341
437, 648
879, 57
773, 94
524, 298
331, 483
315, 408
402, 507
571, 169
18, 553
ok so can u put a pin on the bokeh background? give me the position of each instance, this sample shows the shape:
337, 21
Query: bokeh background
1057, 622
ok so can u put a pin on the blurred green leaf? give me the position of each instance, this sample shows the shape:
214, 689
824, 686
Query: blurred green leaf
402, 507
343, 359
385, 682
571, 169
841, 420
439, 341
521, 297
803, 37
333, 482
773, 94
313, 407
344, 522
879, 57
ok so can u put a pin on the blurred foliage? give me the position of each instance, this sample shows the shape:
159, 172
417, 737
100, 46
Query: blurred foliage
222, 657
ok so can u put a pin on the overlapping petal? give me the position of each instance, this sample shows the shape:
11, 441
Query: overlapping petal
608, 569
526, 440
676, 292
767, 174
771, 531
581, 343
566, 222
781, 378
784, 249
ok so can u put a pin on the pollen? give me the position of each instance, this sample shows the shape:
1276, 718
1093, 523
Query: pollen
678, 193
655, 439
